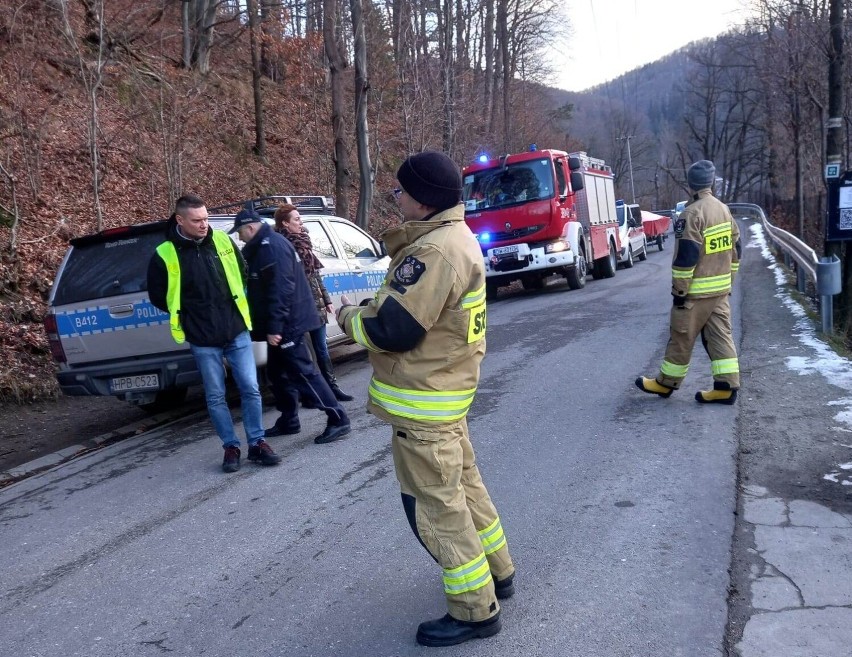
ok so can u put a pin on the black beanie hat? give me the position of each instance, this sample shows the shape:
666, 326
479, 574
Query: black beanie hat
432, 179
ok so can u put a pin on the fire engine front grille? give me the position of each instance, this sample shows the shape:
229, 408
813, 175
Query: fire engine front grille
513, 234
510, 264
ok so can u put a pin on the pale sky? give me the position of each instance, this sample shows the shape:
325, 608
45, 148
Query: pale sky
611, 37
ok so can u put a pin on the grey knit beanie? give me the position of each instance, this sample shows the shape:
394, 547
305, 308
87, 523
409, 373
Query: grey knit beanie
432, 179
701, 175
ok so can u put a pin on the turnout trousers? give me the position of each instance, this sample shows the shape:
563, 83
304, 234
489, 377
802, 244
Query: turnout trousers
452, 515
711, 318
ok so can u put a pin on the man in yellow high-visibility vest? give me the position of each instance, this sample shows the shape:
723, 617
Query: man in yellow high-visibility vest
198, 276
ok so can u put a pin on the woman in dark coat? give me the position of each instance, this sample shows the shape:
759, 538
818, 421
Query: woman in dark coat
288, 222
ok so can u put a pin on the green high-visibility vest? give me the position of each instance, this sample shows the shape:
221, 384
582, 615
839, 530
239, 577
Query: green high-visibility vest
227, 256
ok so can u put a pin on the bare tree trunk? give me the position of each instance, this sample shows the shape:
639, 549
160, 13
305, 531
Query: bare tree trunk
445, 56
259, 137
362, 132
336, 63
272, 64
91, 75
202, 19
186, 25
503, 41
834, 146
13, 213
488, 38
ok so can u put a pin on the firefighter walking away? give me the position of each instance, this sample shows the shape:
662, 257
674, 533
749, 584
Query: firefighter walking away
705, 261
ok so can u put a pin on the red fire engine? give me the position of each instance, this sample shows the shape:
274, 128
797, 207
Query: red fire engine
540, 213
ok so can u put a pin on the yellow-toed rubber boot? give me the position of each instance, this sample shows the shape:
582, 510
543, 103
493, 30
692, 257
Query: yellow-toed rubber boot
651, 386
720, 394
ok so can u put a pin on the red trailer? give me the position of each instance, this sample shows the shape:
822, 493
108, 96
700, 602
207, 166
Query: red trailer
656, 228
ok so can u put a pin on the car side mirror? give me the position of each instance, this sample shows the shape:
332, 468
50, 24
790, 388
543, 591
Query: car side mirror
383, 250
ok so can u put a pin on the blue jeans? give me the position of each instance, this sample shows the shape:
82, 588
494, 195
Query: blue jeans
320, 343
239, 355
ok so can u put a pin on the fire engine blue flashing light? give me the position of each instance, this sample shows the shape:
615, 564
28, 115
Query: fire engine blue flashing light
483, 158
619, 202
484, 237
533, 148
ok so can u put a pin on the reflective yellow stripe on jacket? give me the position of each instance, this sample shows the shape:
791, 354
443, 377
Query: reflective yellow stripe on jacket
360, 335
431, 406
473, 299
710, 284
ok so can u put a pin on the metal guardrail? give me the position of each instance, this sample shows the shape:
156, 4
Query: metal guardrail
825, 272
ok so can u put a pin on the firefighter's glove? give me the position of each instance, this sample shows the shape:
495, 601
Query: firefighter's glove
678, 302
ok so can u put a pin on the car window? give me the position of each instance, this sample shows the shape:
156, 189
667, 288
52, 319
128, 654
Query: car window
320, 239
106, 269
356, 244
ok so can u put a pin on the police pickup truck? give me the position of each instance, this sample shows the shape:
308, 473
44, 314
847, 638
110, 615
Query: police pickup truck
108, 339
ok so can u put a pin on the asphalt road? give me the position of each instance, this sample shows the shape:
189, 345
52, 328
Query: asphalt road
619, 510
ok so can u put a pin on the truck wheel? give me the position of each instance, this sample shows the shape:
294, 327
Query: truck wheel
644, 255
576, 276
660, 242
166, 400
607, 265
629, 262
533, 282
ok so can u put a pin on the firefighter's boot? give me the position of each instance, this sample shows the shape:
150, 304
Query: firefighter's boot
448, 631
651, 386
722, 393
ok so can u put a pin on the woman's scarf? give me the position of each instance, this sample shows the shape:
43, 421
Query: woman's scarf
302, 243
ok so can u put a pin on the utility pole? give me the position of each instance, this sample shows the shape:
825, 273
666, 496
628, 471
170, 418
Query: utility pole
629, 163
834, 155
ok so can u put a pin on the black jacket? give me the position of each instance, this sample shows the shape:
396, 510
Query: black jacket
279, 296
208, 315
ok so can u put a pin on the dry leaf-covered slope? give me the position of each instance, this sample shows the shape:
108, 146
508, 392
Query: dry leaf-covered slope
162, 131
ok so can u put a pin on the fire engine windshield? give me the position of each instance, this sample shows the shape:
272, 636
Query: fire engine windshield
517, 183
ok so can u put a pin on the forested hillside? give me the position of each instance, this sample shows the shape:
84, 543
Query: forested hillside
110, 110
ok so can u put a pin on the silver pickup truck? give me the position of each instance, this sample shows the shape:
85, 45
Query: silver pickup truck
108, 339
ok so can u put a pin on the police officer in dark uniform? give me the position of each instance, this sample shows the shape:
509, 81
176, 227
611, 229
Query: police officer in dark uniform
282, 311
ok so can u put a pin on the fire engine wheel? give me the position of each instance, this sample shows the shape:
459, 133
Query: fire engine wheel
607, 265
660, 242
490, 290
533, 282
576, 276
644, 254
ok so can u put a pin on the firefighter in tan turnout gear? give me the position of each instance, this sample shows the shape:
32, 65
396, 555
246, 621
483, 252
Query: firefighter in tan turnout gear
425, 333
706, 258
